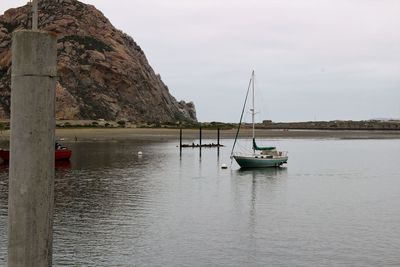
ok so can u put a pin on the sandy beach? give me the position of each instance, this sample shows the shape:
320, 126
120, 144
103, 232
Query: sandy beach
105, 134
164, 134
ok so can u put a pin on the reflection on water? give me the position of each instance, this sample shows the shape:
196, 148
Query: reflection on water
262, 172
179, 208
63, 165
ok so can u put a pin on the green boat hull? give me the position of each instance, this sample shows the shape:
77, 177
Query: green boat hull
257, 162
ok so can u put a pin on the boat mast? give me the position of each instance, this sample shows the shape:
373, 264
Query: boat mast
241, 116
252, 110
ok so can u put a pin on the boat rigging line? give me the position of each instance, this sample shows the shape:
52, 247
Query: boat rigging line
241, 116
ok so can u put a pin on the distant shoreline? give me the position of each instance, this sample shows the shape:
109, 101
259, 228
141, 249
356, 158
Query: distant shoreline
109, 134
319, 126
193, 134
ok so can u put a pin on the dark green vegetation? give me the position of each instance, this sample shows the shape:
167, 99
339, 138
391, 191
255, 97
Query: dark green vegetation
128, 124
93, 124
90, 43
10, 27
3, 72
320, 125
191, 125
4, 126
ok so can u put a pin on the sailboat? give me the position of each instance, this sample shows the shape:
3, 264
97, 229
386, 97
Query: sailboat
260, 157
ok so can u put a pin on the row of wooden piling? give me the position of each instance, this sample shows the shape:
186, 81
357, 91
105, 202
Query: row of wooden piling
200, 144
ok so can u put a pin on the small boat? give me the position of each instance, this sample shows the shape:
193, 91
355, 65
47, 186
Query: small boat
260, 157
60, 154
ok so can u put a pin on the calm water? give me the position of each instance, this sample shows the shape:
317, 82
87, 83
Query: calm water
336, 204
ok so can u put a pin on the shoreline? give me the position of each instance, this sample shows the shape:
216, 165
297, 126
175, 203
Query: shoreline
160, 134
173, 134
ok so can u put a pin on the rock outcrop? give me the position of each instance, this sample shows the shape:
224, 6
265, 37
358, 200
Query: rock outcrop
103, 72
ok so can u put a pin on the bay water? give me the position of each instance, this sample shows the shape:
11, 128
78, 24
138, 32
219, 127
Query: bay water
336, 203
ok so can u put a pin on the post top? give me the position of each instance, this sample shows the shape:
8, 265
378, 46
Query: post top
21, 31
34, 53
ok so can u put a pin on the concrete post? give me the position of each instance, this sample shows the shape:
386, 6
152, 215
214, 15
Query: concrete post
31, 183
35, 15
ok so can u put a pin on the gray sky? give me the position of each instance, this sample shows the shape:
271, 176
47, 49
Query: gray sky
314, 59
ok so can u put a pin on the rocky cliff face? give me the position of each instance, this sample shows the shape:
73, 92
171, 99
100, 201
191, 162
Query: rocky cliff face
102, 72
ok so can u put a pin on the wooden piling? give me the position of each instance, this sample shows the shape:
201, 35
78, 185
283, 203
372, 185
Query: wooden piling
180, 138
200, 136
218, 137
218, 145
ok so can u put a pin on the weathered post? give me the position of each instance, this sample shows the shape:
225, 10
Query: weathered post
200, 136
180, 139
218, 142
218, 138
31, 183
35, 15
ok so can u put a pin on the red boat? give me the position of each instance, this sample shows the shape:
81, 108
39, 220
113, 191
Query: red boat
60, 154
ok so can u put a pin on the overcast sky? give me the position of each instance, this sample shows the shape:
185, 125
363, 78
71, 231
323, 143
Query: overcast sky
314, 59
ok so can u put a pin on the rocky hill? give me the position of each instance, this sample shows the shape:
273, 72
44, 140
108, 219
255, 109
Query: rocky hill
103, 72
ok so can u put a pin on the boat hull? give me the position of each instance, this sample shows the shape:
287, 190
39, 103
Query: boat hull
257, 162
60, 154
